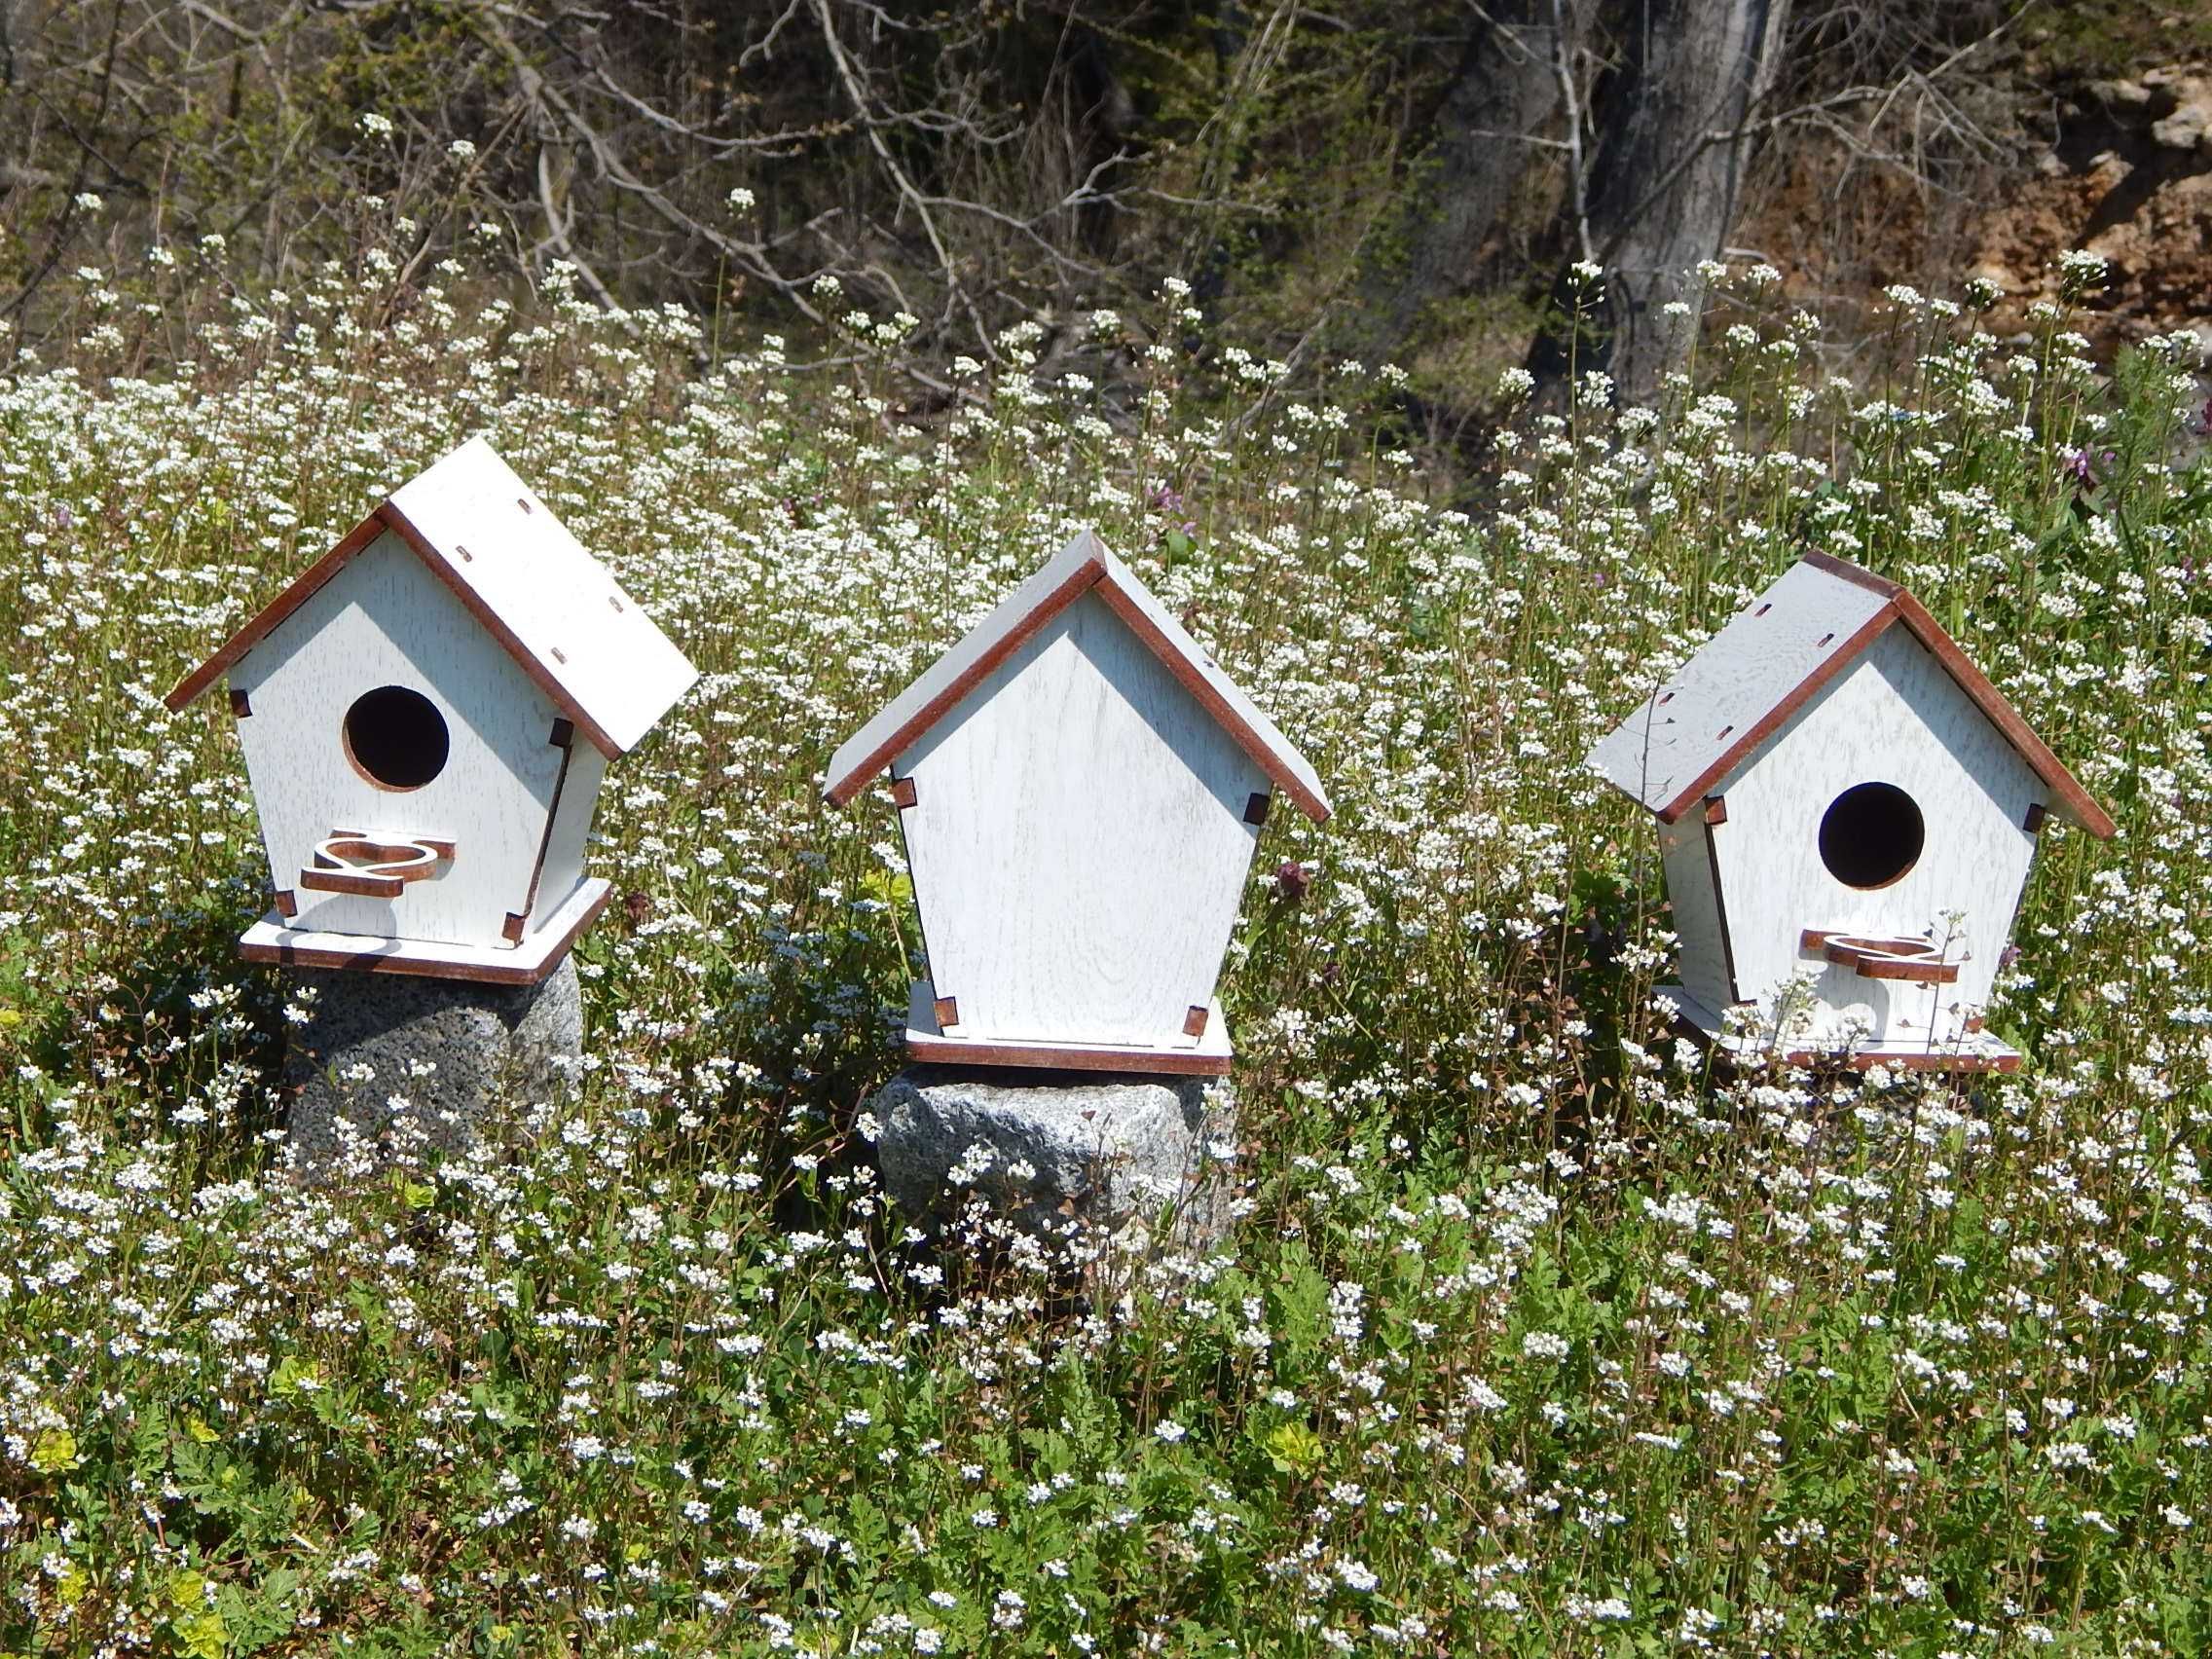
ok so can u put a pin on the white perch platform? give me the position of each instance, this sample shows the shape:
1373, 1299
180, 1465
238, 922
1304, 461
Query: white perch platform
527, 963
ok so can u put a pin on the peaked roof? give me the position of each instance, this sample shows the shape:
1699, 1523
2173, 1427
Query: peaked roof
550, 605
1084, 565
1772, 658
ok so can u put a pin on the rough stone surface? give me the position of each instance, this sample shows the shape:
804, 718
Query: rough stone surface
447, 1047
1114, 1153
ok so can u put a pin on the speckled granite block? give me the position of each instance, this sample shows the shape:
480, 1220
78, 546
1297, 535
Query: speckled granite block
390, 1066
1112, 1153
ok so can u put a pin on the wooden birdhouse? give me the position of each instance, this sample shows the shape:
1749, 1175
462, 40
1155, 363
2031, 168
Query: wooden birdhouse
426, 714
1080, 788
1846, 801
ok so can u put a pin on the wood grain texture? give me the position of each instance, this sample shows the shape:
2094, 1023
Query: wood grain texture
1899, 718
1975, 1051
556, 609
926, 1041
1085, 566
271, 939
1078, 843
1200, 676
2071, 800
946, 682
384, 620
301, 588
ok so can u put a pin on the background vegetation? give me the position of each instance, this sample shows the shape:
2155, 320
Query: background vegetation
1532, 1337
1400, 180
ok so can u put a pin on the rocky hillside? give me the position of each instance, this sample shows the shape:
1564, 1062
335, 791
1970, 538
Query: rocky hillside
2126, 172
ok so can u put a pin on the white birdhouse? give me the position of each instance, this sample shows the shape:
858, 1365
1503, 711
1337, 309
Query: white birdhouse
426, 714
1080, 789
1844, 802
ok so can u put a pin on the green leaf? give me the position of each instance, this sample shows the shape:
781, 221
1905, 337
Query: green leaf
202, 1634
54, 1450
294, 1375
892, 888
1293, 1449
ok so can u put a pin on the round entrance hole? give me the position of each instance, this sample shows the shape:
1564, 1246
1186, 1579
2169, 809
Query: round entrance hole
1871, 835
396, 738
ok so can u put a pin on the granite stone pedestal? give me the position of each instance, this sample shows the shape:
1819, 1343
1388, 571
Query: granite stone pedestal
1115, 1155
390, 1068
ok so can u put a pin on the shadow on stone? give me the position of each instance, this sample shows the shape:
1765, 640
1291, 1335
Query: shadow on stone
391, 1068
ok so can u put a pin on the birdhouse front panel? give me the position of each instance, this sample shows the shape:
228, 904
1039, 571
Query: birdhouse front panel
1878, 842
1080, 831
404, 767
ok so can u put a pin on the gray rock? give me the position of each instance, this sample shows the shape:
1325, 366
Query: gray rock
1114, 1153
447, 1049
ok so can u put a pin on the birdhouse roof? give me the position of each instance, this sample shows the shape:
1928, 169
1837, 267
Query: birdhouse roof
551, 606
1085, 566
1769, 661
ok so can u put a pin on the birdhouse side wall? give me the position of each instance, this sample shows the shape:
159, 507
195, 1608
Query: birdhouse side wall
1079, 842
1895, 718
1686, 849
563, 871
383, 620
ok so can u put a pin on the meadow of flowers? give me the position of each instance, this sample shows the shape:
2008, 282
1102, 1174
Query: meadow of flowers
1533, 1335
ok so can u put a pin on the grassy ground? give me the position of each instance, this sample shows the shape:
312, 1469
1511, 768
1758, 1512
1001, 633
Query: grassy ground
1534, 1337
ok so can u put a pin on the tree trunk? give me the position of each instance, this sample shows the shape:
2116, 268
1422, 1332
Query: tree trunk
1668, 170
1504, 94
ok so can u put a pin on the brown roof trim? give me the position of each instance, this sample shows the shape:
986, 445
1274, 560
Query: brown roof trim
1768, 723
1192, 681
2074, 800
1093, 574
1857, 575
842, 791
310, 581
265, 622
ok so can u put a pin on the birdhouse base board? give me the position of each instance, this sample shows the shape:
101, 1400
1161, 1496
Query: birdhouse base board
531, 961
1977, 1051
1208, 1055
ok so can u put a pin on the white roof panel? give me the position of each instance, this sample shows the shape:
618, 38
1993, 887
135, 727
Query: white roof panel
562, 608
1741, 683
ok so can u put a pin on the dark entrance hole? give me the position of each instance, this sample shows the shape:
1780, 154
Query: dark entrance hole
396, 738
1871, 835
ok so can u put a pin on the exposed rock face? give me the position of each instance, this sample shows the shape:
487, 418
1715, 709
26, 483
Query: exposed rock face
390, 1066
2130, 179
1114, 1153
